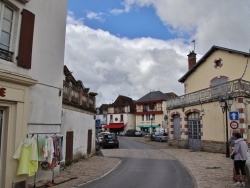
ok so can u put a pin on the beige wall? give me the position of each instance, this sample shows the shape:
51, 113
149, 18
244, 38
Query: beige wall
233, 67
212, 119
15, 107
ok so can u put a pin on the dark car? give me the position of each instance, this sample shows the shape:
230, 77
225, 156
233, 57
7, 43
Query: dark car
130, 132
110, 140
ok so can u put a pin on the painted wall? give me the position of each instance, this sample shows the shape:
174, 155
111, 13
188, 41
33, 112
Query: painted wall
233, 67
41, 104
212, 119
79, 122
128, 120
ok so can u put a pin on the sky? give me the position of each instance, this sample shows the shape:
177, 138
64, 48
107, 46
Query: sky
133, 47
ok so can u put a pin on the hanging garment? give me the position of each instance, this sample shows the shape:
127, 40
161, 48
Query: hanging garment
27, 157
51, 150
42, 149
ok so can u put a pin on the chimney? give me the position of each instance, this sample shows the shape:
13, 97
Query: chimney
191, 60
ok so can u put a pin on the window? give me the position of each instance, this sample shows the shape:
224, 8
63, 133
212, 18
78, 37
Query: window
153, 116
147, 117
6, 27
142, 117
111, 117
218, 80
7, 18
121, 118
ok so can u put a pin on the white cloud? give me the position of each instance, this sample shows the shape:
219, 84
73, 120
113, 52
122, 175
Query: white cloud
111, 66
117, 11
222, 23
95, 16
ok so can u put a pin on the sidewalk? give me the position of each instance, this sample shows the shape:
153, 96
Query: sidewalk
209, 170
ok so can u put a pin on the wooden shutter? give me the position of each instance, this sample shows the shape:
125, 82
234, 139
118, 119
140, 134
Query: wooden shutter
89, 148
26, 39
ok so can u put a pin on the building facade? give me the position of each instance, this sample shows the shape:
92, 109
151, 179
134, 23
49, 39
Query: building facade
31, 53
196, 120
78, 122
120, 115
151, 113
101, 116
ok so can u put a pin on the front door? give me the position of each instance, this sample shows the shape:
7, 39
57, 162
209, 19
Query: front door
69, 147
194, 138
177, 127
89, 141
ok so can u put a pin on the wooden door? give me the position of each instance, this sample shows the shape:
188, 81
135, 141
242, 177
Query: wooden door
69, 147
89, 148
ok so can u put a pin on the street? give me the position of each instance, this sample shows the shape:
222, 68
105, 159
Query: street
143, 166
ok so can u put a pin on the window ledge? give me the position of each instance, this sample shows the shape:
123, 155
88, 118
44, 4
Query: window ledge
24, 1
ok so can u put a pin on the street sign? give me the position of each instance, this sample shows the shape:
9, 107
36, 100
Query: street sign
234, 115
234, 125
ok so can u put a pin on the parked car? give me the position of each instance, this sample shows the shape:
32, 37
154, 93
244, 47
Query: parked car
138, 133
130, 132
110, 140
122, 133
100, 136
144, 134
161, 137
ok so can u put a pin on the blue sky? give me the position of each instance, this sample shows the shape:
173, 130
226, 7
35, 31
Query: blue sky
139, 22
132, 47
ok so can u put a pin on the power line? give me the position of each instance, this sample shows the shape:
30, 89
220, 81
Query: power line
244, 70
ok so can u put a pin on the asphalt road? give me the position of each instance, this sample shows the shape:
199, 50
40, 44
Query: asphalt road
143, 172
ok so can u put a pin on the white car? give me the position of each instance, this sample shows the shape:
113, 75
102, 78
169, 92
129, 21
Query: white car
138, 133
122, 133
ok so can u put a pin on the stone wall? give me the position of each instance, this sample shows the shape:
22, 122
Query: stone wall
208, 146
178, 143
213, 146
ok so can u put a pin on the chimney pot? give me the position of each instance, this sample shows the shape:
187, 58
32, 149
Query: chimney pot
191, 59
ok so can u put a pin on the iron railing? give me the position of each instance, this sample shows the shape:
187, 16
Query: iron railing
235, 88
6, 55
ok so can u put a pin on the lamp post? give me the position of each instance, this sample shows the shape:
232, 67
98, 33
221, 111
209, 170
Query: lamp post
225, 105
151, 125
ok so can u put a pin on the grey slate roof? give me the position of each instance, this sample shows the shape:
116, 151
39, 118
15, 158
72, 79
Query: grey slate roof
153, 96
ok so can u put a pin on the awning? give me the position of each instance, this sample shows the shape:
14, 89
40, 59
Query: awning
114, 126
148, 126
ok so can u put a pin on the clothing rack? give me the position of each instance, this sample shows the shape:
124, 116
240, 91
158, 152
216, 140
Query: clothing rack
54, 133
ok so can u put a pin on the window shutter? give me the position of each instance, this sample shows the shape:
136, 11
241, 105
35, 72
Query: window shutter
26, 39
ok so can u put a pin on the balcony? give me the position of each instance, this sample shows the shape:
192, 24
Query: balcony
235, 88
6, 55
156, 110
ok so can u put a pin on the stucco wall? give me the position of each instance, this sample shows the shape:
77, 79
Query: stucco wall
79, 122
213, 121
233, 67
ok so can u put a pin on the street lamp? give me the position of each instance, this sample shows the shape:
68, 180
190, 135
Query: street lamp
151, 125
226, 107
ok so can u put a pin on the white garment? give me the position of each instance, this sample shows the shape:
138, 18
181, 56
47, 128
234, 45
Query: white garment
50, 149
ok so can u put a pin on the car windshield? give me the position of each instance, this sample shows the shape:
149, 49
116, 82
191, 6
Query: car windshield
109, 136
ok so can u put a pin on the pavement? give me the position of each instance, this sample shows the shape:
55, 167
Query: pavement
208, 170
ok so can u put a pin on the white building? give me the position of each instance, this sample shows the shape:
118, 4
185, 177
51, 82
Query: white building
120, 116
31, 79
78, 122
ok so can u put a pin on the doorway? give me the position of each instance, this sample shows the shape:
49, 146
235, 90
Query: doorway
177, 126
69, 147
194, 132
